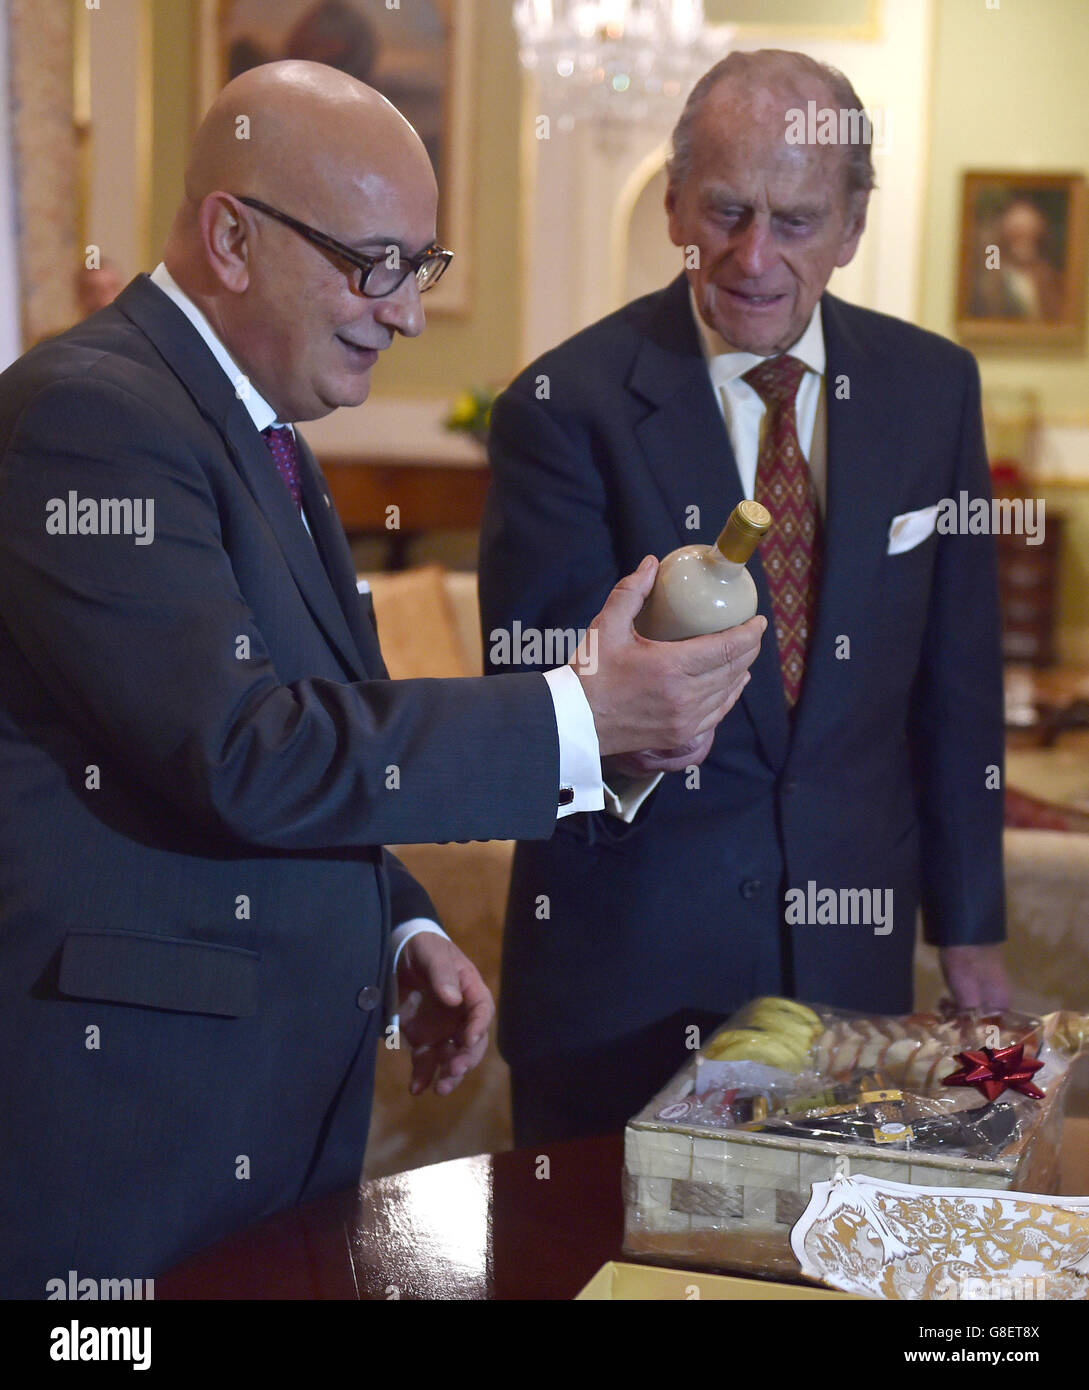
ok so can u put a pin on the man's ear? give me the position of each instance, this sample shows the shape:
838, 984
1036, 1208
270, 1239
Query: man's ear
671, 213
856, 225
223, 235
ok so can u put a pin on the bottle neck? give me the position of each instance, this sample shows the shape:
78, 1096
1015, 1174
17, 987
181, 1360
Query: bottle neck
723, 568
742, 533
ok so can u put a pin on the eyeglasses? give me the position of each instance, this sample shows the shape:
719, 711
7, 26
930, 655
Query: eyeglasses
377, 275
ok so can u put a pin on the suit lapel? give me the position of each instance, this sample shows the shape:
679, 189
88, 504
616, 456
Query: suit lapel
252, 457
336, 556
856, 514
178, 342
687, 450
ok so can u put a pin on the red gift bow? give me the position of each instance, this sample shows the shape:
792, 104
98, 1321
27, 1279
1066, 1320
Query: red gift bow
996, 1069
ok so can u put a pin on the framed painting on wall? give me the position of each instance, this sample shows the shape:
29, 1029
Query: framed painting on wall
1022, 259
417, 55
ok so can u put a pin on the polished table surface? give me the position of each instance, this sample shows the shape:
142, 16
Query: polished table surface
502, 1226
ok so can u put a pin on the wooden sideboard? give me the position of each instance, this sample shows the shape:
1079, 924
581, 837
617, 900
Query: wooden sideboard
427, 497
1029, 581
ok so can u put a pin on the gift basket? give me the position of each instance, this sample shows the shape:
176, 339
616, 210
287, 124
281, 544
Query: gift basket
721, 1164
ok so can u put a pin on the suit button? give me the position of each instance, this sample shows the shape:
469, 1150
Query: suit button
368, 997
790, 786
751, 888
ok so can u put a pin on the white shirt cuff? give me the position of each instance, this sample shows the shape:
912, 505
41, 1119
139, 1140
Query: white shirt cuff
580, 753
399, 938
627, 794
401, 935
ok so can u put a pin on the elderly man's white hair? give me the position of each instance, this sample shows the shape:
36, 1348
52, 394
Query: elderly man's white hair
770, 65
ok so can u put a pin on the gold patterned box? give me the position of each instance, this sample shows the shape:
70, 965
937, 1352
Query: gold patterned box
707, 1196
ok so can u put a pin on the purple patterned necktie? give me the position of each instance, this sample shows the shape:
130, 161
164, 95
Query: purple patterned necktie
285, 455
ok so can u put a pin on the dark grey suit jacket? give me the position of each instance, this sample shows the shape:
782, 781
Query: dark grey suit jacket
196, 744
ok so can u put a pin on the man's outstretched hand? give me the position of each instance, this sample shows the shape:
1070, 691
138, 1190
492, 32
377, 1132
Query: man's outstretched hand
446, 1010
976, 976
660, 695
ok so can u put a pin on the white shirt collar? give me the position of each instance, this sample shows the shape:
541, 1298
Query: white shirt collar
726, 363
261, 413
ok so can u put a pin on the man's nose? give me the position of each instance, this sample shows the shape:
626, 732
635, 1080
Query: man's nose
753, 248
402, 310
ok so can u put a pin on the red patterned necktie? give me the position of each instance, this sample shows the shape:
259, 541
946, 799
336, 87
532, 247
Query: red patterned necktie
791, 553
285, 455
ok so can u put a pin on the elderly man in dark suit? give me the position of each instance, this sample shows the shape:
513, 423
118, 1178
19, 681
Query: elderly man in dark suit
202, 755
867, 751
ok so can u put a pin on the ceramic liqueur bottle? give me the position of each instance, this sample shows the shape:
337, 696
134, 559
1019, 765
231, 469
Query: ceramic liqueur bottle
706, 588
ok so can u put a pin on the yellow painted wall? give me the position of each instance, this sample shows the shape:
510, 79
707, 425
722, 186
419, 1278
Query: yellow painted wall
482, 346
173, 76
1009, 93
856, 17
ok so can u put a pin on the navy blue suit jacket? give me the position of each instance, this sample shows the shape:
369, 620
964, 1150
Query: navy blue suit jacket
196, 738
880, 779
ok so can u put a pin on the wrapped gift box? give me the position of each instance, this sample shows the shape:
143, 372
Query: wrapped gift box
702, 1195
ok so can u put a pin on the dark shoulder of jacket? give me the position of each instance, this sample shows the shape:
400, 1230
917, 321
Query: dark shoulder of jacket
885, 336
108, 348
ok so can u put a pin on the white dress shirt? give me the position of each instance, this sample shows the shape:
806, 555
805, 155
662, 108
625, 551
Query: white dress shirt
743, 412
580, 757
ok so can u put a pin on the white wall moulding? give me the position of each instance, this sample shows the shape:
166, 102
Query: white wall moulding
10, 328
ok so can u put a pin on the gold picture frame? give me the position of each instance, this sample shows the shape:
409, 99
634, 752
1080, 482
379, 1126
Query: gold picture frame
1022, 279
420, 56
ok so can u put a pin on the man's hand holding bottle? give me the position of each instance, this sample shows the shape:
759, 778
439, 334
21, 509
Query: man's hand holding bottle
665, 696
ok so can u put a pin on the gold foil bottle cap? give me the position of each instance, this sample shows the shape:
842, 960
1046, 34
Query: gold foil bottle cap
748, 524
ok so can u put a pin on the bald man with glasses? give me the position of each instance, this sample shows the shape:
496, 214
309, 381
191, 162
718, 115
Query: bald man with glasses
201, 751
378, 275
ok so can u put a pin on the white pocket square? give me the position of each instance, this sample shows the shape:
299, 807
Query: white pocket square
362, 586
911, 528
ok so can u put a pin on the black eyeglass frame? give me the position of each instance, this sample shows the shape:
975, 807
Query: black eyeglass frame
364, 264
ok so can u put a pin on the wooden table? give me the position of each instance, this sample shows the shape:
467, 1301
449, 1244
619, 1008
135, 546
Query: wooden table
491, 1227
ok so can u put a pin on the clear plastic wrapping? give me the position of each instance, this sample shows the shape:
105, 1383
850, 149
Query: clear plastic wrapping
864, 1080
721, 1162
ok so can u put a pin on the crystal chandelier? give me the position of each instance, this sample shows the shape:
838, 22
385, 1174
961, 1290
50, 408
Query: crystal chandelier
613, 60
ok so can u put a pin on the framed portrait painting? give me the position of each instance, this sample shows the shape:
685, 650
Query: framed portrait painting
418, 55
1022, 259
